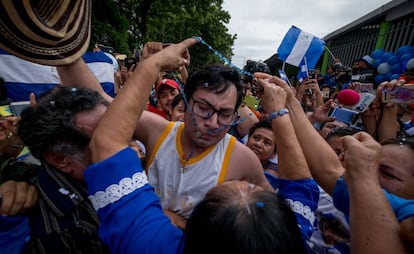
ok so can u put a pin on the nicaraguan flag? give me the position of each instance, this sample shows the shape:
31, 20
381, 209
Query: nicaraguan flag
283, 76
22, 77
302, 74
297, 44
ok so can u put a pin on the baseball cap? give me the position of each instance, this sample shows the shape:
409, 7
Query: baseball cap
166, 82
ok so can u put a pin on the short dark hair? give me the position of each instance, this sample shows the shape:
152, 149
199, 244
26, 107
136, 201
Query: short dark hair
265, 123
255, 221
177, 99
342, 131
49, 126
215, 77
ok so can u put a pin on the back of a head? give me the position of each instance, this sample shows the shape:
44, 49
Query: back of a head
238, 217
50, 123
215, 77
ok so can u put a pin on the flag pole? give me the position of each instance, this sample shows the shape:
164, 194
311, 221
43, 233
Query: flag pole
306, 66
287, 78
330, 52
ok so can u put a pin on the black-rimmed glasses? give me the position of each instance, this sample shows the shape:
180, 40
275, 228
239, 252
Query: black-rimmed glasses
206, 111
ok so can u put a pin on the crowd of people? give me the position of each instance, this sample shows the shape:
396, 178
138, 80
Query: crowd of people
210, 161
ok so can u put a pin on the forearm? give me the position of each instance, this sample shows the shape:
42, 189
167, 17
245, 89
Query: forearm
322, 160
389, 126
288, 147
374, 227
248, 119
77, 74
130, 105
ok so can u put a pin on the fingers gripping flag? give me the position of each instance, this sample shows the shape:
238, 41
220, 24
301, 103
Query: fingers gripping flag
297, 44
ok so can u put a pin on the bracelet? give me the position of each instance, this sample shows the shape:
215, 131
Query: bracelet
278, 113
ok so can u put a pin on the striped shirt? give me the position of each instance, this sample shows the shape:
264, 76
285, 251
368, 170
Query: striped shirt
63, 221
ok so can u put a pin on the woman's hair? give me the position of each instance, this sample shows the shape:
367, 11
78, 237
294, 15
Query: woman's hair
177, 99
242, 220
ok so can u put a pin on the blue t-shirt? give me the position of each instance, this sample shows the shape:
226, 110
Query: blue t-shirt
403, 208
131, 214
132, 220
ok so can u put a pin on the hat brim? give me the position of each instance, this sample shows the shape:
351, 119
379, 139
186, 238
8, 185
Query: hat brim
49, 32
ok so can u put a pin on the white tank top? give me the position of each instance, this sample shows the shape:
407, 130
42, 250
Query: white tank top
180, 190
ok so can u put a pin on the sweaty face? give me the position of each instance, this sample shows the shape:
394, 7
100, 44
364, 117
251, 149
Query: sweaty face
166, 95
397, 170
262, 143
177, 113
207, 132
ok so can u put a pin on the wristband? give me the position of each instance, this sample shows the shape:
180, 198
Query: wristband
278, 113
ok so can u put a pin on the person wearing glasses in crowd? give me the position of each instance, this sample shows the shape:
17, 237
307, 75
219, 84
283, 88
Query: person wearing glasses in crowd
186, 159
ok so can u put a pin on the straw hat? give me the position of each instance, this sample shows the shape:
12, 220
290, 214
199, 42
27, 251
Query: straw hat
50, 32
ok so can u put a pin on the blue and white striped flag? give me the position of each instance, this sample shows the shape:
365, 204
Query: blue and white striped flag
23, 77
284, 77
302, 73
297, 44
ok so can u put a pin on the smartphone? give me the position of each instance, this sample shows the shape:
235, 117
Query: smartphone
348, 116
364, 87
312, 74
399, 95
18, 106
129, 61
251, 102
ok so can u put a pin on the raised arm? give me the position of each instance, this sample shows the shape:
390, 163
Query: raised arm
78, 74
126, 109
322, 160
292, 162
374, 227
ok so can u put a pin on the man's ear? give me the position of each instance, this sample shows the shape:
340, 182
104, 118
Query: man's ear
58, 161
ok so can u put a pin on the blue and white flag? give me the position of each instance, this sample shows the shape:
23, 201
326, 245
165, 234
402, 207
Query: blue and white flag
302, 74
298, 45
284, 77
22, 77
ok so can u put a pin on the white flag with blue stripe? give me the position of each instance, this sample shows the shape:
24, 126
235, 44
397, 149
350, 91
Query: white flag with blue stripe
22, 77
302, 73
297, 44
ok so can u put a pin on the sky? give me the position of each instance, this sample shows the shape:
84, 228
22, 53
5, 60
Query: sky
260, 25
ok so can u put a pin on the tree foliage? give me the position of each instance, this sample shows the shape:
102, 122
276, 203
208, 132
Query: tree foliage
129, 24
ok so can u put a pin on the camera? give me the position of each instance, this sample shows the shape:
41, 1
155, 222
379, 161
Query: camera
129, 61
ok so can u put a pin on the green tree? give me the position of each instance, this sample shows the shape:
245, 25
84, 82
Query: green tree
173, 21
109, 26
129, 24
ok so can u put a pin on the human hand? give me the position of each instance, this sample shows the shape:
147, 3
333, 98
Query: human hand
320, 113
17, 197
174, 56
176, 220
361, 157
150, 48
290, 92
272, 97
389, 85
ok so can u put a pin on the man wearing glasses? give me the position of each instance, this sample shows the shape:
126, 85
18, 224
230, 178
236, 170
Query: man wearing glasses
187, 159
